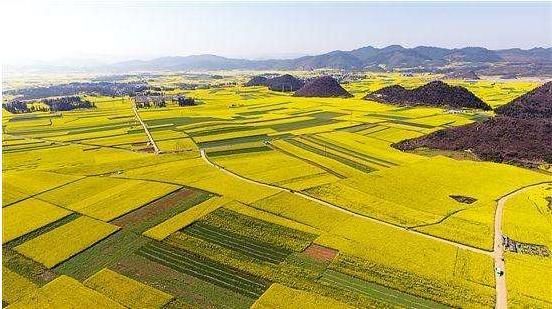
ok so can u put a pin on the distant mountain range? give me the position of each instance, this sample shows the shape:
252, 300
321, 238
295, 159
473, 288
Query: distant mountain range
421, 58
535, 61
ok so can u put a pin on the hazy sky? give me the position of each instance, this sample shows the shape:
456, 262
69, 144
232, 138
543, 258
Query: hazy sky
107, 31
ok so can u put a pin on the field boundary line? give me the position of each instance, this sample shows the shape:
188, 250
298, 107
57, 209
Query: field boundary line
34, 195
344, 210
450, 214
148, 203
70, 142
289, 153
336, 146
165, 182
361, 289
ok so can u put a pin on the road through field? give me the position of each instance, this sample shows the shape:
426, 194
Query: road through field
341, 209
152, 141
498, 253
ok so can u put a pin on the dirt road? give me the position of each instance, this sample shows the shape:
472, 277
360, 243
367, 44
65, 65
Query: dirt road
498, 252
152, 141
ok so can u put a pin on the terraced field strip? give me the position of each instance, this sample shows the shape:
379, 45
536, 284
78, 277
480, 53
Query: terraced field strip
28, 216
204, 269
352, 153
220, 130
126, 291
332, 155
238, 151
184, 218
232, 140
412, 124
376, 291
247, 246
27, 146
371, 130
359, 127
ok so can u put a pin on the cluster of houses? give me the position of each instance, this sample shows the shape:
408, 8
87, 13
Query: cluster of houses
161, 100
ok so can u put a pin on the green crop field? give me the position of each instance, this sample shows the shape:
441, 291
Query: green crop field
383, 294
205, 269
256, 249
257, 198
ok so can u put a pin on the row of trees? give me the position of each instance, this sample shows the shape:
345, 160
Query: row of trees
67, 103
52, 105
16, 107
100, 88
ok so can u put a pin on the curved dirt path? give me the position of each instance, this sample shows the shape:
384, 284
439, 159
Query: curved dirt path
498, 252
344, 210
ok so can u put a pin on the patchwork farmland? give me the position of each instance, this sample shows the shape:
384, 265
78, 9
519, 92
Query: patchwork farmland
258, 198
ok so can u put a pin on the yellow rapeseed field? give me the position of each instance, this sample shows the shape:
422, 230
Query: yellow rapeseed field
92, 162
65, 292
278, 296
20, 184
27, 216
413, 188
183, 219
269, 217
196, 173
528, 280
276, 168
527, 216
382, 246
126, 291
65, 241
106, 198
327, 162
15, 286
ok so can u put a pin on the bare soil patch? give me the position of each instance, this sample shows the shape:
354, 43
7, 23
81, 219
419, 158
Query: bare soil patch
153, 209
320, 253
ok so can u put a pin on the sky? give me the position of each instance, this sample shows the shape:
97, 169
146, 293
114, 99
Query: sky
110, 31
